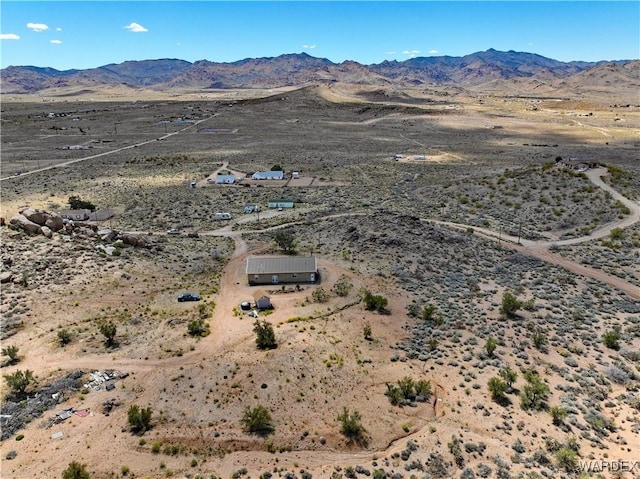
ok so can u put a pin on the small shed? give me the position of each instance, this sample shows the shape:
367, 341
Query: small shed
262, 300
281, 203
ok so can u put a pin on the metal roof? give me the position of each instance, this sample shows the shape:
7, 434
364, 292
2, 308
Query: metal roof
281, 264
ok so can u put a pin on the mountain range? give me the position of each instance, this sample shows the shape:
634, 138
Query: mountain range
298, 69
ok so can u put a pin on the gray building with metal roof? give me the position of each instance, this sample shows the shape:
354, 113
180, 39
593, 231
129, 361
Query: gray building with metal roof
281, 269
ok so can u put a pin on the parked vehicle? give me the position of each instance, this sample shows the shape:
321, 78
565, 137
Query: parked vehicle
188, 297
222, 216
173, 231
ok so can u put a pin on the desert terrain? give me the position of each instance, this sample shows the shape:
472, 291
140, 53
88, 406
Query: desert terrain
442, 201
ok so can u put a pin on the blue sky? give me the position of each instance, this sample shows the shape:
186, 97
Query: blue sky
80, 34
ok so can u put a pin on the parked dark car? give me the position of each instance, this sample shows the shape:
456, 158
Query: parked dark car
188, 297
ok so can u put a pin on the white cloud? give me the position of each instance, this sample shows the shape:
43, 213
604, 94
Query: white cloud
58, 29
135, 28
37, 27
411, 53
56, 42
392, 52
433, 52
9, 36
311, 47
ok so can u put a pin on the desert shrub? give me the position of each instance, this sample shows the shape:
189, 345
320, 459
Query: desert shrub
567, 459
198, 327
139, 419
497, 387
456, 451
373, 302
265, 336
319, 295
257, 420
510, 304
19, 381
343, 286
539, 339
64, 336
611, 339
12, 352
558, 414
367, 332
75, 203
407, 389
351, 426
428, 312
75, 470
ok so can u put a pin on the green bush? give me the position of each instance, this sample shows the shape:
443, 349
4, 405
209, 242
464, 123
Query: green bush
373, 302
257, 420
510, 304
19, 381
265, 336
611, 339
351, 426
75, 470
139, 419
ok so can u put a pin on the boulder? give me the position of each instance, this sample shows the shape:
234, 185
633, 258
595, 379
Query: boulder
21, 222
45, 230
54, 221
6, 276
38, 217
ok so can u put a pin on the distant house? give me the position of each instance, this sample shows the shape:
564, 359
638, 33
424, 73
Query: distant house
262, 301
268, 175
281, 269
225, 179
251, 208
577, 164
222, 216
280, 203
75, 215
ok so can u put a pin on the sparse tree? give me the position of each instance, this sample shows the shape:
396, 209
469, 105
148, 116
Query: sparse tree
265, 336
257, 420
490, 346
108, 330
350, 425
509, 376
510, 304
394, 394
139, 419
75, 470
497, 387
20, 380
285, 240
12, 352
539, 339
534, 393
277, 167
